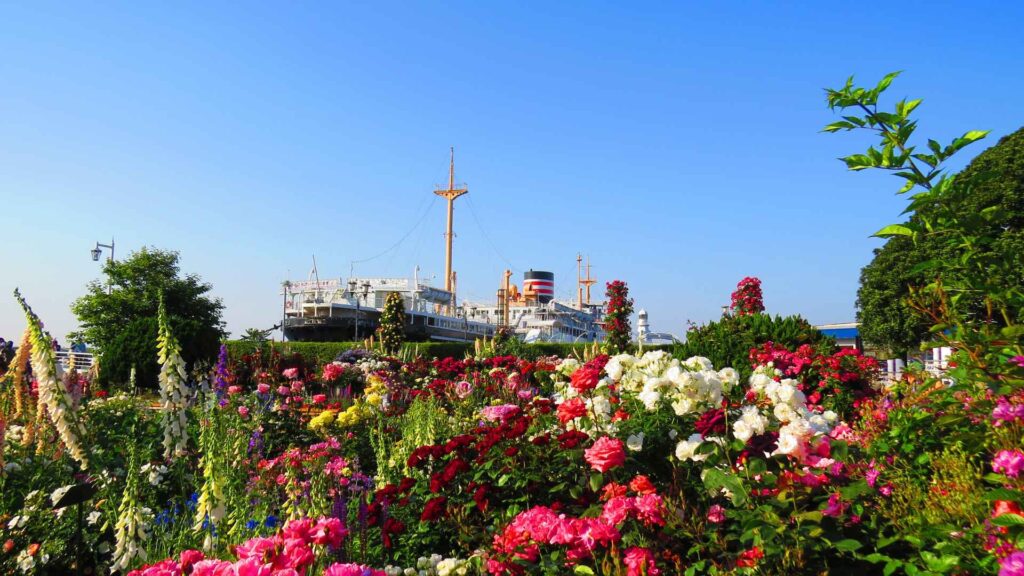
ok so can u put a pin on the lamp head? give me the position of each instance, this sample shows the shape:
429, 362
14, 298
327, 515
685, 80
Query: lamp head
95, 254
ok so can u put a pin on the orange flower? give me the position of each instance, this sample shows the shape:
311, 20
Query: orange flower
9, 545
33, 548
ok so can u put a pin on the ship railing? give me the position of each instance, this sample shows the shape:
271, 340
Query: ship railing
83, 360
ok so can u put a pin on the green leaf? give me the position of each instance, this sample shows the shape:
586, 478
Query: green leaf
580, 569
1008, 520
595, 481
847, 545
886, 81
1004, 494
894, 230
942, 564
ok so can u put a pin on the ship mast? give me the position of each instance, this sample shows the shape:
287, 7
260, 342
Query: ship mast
450, 195
588, 281
581, 281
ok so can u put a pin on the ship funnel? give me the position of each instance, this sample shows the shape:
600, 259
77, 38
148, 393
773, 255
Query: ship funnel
539, 284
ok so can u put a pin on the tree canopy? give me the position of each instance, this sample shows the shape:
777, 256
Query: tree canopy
121, 323
995, 180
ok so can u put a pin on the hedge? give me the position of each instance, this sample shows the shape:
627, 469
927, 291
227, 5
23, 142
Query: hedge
323, 352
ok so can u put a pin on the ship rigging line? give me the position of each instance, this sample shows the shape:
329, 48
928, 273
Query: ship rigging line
487, 237
402, 239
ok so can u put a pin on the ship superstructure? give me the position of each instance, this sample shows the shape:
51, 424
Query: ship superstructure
349, 308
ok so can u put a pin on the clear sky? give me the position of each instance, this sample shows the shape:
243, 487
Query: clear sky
676, 144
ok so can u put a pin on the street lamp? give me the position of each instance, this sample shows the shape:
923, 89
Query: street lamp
96, 252
352, 293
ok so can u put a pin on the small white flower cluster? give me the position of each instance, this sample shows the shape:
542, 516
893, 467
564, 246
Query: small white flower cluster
154, 473
790, 409
435, 565
657, 377
370, 365
687, 449
27, 562
14, 433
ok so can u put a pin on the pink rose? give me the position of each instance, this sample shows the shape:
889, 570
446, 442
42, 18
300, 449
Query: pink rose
234, 389
352, 570
463, 389
291, 373
263, 388
617, 509
190, 557
297, 386
716, 514
640, 561
243, 411
319, 398
605, 454
283, 390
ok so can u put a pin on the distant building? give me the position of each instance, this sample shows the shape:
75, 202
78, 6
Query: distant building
645, 336
847, 334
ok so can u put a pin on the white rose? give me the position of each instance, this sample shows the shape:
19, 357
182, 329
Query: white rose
741, 430
686, 449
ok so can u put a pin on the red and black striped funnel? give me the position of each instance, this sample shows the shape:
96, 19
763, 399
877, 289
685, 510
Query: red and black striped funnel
540, 283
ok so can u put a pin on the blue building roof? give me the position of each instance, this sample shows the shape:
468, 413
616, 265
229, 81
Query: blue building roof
840, 333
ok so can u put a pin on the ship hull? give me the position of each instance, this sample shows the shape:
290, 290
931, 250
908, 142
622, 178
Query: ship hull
419, 328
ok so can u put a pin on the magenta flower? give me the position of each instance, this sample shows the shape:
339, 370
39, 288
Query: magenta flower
1017, 361
1012, 565
1006, 412
1009, 462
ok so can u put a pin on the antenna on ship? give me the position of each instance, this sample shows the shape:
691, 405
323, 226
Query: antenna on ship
450, 195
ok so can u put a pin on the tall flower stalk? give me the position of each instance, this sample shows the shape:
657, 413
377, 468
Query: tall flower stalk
210, 507
17, 371
54, 397
220, 376
130, 530
173, 393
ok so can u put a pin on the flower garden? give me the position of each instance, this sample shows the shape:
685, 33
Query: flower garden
609, 461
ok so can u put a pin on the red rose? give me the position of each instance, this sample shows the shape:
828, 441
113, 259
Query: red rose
1006, 507
571, 408
585, 378
642, 485
711, 422
434, 509
749, 558
605, 454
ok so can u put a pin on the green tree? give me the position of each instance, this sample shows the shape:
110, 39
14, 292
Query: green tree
121, 323
728, 341
391, 331
995, 183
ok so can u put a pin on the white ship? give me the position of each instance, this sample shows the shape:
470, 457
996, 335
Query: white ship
346, 309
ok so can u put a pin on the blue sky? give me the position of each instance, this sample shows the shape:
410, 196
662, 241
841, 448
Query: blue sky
676, 144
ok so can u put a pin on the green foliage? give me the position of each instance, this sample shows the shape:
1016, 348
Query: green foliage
994, 182
392, 324
937, 439
728, 341
121, 325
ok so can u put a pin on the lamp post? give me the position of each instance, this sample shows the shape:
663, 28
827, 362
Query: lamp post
352, 293
96, 252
